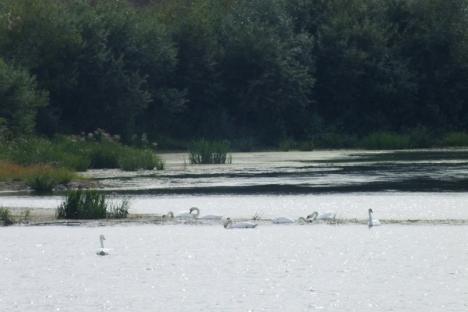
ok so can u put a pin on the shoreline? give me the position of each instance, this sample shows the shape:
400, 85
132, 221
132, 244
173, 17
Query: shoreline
46, 217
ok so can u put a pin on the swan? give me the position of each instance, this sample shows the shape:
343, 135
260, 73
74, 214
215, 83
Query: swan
168, 216
102, 251
207, 217
240, 225
192, 214
327, 216
372, 221
282, 220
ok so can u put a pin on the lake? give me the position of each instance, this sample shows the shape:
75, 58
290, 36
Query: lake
417, 262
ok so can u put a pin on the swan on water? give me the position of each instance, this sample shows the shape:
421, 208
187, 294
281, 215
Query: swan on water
372, 221
282, 220
102, 251
206, 217
239, 225
327, 216
167, 217
192, 214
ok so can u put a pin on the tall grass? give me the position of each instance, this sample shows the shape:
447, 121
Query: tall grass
5, 216
209, 152
88, 204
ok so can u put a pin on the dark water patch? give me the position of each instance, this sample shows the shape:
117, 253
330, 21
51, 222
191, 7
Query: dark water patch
398, 156
409, 185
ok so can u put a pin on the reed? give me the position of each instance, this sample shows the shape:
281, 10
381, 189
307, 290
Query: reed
89, 204
209, 152
5, 216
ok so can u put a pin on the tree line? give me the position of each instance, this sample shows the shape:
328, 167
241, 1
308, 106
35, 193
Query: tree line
265, 70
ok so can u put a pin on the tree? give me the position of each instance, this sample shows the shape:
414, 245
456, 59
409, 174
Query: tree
19, 101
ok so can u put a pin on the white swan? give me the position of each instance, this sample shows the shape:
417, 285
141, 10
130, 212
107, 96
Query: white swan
206, 217
282, 220
102, 251
372, 221
167, 217
192, 214
239, 225
327, 216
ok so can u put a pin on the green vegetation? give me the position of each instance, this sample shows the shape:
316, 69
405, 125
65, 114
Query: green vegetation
258, 73
5, 216
41, 178
79, 153
88, 204
206, 152
46, 179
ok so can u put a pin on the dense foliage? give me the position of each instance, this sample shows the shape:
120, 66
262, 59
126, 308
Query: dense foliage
256, 72
88, 204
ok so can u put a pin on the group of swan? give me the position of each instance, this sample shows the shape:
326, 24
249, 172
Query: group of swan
315, 216
228, 224
193, 214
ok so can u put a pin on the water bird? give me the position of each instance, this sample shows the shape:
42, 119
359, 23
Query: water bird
327, 216
239, 225
372, 221
282, 220
102, 251
193, 213
196, 213
168, 216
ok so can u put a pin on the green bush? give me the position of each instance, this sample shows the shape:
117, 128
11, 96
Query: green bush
45, 178
140, 159
455, 139
385, 140
88, 204
104, 156
5, 216
78, 154
206, 152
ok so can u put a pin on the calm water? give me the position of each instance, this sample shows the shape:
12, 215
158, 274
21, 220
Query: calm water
271, 268
208, 268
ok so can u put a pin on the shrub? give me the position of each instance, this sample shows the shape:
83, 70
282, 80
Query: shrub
78, 153
5, 216
88, 204
41, 178
206, 152
140, 159
455, 139
385, 140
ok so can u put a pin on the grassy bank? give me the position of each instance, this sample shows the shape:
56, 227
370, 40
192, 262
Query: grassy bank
79, 153
40, 178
